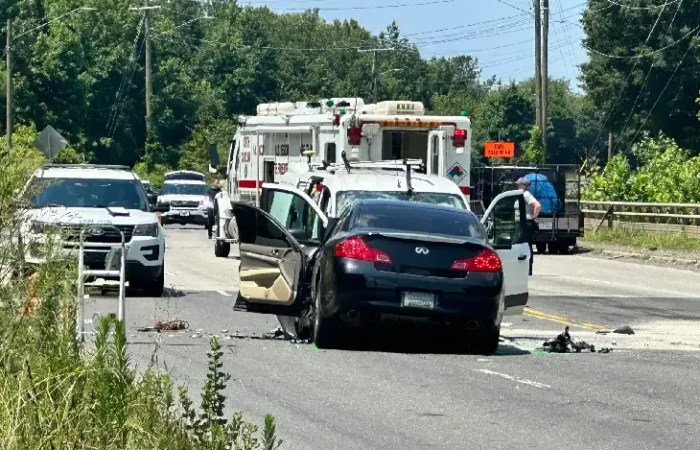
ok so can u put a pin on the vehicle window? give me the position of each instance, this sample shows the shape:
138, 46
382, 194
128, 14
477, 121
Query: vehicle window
184, 189
87, 193
295, 213
257, 229
413, 218
347, 198
505, 219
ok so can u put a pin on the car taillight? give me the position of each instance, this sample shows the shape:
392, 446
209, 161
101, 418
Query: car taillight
354, 136
459, 137
486, 261
336, 120
355, 248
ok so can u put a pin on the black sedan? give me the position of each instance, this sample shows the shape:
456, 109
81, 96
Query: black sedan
380, 258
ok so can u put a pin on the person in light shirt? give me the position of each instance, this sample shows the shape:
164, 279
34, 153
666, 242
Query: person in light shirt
532, 210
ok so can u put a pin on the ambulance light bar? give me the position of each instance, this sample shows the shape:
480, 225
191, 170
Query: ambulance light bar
393, 108
408, 123
398, 164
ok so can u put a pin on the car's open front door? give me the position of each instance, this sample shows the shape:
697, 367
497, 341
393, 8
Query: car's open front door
272, 263
295, 210
506, 228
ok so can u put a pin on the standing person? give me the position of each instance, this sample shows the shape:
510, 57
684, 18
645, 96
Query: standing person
212, 193
532, 208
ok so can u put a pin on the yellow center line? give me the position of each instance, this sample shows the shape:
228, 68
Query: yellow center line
562, 320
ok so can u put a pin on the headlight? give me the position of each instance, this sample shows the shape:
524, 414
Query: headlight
43, 227
150, 229
206, 203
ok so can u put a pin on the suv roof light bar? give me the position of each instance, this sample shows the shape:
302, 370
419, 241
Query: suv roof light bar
87, 166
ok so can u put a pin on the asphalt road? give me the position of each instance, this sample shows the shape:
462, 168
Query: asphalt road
405, 394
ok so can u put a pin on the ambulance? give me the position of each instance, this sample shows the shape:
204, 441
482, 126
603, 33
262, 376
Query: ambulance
283, 141
284, 135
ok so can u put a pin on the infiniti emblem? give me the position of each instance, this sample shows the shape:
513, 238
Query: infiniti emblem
422, 250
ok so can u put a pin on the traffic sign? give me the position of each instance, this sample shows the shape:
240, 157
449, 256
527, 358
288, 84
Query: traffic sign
499, 149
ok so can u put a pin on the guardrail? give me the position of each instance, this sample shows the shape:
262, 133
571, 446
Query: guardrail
652, 217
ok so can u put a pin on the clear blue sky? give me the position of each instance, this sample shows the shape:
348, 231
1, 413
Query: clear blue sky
500, 33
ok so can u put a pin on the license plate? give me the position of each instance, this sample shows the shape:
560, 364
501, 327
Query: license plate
418, 300
545, 225
184, 213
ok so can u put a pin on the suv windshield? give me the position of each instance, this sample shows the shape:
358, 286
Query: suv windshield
347, 198
87, 193
184, 189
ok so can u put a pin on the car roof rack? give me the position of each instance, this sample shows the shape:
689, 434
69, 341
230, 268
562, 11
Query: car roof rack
87, 166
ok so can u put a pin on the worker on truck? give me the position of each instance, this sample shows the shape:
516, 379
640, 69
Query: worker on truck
532, 211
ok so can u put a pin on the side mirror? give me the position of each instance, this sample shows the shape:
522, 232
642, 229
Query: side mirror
503, 242
213, 159
153, 198
299, 234
161, 207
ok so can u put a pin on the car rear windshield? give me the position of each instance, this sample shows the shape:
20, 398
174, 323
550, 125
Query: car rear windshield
347, 198
416, 219
184, 189
87, 193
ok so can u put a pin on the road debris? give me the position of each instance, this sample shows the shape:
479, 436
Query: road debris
624, 330
565, 344
172, 325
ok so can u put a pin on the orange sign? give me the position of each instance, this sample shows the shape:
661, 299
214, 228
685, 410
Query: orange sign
499, 149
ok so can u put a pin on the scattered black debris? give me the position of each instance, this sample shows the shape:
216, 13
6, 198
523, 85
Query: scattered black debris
624, 330
173, 325
565, 344
603, 331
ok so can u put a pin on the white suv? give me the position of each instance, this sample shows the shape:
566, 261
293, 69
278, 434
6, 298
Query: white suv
184, 197
68, 198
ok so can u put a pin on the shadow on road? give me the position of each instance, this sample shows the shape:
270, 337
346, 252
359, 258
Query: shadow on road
423, 341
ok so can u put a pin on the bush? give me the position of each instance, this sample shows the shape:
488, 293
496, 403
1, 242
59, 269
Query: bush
56, 393
665, 173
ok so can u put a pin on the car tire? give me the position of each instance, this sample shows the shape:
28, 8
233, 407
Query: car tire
327, 331
541, 247
153, 287
487, 341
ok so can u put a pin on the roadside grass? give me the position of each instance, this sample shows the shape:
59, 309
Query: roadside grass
57, 393
643, 239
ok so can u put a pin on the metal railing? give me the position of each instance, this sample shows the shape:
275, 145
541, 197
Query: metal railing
116, 252
651, 217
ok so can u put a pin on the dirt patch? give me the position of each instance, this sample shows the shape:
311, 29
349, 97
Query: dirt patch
681, 259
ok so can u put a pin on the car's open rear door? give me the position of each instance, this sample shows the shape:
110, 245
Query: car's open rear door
506, 227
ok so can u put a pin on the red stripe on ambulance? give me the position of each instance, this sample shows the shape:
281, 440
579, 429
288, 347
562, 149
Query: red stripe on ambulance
249, 184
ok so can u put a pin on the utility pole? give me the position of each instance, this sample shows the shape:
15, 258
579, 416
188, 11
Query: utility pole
610, 146
146, 8
374, 77
545, 72
538, 64
8, 86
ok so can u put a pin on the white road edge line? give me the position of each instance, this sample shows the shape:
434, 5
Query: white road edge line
516, 379
224, 293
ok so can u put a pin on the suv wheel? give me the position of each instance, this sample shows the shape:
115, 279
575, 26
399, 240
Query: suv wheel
153, 287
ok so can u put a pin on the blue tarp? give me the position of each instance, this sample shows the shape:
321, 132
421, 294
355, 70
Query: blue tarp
544, 192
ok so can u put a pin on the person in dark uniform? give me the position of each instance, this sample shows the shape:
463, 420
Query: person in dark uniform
212, 193
532, 208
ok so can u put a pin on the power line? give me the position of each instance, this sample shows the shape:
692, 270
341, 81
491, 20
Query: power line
642, 8
690, 45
